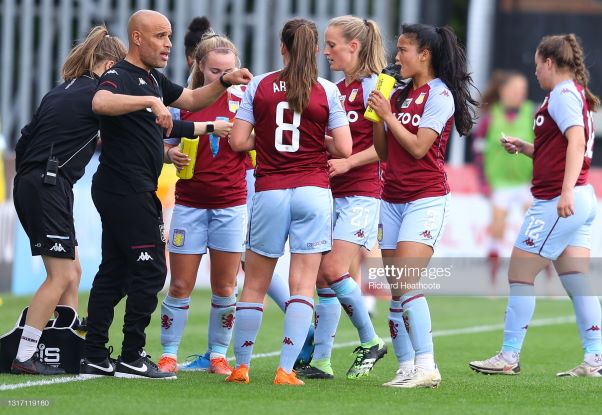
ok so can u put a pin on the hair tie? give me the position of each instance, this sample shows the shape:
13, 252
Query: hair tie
365, 22
438, 30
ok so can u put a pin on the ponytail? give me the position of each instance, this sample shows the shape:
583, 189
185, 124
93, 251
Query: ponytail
300, 37
97, 47
566, 52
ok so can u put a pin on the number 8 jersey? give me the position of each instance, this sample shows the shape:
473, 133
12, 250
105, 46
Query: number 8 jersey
290, 146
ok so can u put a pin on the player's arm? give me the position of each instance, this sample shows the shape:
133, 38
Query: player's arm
241, 137
342, 166
199, 98
380, 140
342, 143
575, 153
515, 145
416, 144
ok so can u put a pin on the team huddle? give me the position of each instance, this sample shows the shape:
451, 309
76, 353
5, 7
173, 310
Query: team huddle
289, 156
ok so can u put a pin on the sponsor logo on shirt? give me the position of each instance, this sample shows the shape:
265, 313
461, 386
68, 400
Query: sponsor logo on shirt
353, 95
141, 81
420, 98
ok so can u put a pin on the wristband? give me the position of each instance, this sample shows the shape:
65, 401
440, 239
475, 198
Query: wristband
224, 83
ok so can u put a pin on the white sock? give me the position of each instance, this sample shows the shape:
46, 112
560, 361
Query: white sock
593, 359
426, 361
29, 343
406, 366
510, 357
214, 355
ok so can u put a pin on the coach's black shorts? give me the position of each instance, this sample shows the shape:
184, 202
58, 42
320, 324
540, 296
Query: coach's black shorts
46, 213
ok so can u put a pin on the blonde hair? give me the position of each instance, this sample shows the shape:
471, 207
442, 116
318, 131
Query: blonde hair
566, 52
210, 42
300, 37
97, 47
372, 56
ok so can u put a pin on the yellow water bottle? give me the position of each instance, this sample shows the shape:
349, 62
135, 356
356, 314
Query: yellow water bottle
384, 85
189, 147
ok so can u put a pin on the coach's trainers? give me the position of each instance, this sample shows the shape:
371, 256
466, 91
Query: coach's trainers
168, 364
495, 365
220, 366
142, 368
400, 376
88, 369
365, 358
283, 378
34, 366
196, 363
583, 370
239, 375
418, 378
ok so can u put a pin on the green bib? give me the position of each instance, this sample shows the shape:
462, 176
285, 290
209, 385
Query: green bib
502, 169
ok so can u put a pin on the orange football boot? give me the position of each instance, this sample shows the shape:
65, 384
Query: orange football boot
283, 378
239, 375
220, 366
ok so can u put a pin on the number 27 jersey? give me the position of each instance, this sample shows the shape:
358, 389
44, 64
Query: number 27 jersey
291, 151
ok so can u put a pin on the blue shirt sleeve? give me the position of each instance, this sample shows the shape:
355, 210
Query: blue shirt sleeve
337, 116
566, 107
439, 107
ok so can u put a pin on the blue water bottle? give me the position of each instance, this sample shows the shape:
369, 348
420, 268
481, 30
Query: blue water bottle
214, 139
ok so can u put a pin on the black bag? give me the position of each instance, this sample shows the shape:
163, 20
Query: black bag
60, 345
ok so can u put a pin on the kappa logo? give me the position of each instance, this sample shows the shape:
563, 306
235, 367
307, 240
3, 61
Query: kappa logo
393, 329
593, 328
144, 256
426, 234
529, 242
248, 343
288, 341
111, 71
360, 234
141, 81
525, 327
316, 319
57, 247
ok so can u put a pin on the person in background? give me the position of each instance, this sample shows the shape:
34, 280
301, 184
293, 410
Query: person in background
52, 154
505, 110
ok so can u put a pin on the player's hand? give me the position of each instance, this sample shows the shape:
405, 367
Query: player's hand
379, 104
512, 145
565, 204
222, 128
337, 167
179, 159
238, 77
163, 116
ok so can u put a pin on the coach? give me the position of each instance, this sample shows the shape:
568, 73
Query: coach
131, 101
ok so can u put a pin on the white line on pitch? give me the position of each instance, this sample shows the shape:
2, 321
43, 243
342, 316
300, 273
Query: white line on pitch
438, 333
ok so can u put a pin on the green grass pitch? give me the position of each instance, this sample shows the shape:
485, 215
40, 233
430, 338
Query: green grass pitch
465, 329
